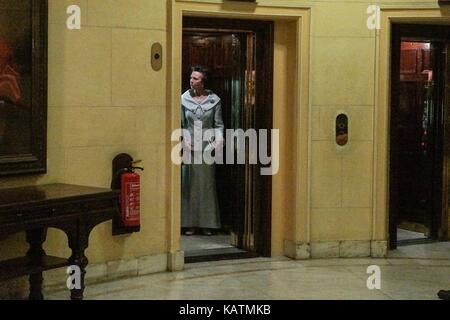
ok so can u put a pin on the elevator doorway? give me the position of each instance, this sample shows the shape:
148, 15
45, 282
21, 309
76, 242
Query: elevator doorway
419, 134
239, 57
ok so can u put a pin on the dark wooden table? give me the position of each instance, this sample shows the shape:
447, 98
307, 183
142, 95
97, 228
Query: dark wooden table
76, 210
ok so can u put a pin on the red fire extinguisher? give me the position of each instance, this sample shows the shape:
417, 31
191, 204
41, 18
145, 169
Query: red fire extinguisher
127, 182
130, 186
130, 202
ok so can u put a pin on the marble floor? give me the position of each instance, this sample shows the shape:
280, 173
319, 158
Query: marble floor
410, 273
199, 242
403, 235
433, 251
201, 246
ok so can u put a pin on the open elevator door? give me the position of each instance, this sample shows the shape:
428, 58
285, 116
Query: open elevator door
420, 134
239, 56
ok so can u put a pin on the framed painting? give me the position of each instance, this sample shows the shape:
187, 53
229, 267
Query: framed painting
23, 86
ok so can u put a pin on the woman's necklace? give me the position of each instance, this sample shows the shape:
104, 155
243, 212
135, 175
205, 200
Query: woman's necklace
199, 97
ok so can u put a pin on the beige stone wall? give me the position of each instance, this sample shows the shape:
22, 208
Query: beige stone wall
344, 69
342, 73
104, 99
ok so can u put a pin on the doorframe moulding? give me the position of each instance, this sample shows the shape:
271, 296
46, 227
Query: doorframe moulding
250, 11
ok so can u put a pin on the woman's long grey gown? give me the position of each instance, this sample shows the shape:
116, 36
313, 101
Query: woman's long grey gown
199, 204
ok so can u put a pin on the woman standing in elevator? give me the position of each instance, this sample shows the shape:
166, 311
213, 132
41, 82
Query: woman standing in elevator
201, 111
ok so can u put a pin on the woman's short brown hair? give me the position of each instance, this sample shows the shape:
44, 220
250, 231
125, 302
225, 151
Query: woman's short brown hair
203, 70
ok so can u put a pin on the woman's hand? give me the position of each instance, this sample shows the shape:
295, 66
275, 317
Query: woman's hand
188, 145
217, 144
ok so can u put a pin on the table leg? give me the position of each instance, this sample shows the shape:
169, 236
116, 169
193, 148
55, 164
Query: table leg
78, 243
36, 281
35, 239
444, 294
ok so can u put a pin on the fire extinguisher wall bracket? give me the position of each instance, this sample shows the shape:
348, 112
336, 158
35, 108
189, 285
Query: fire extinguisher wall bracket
123, 164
